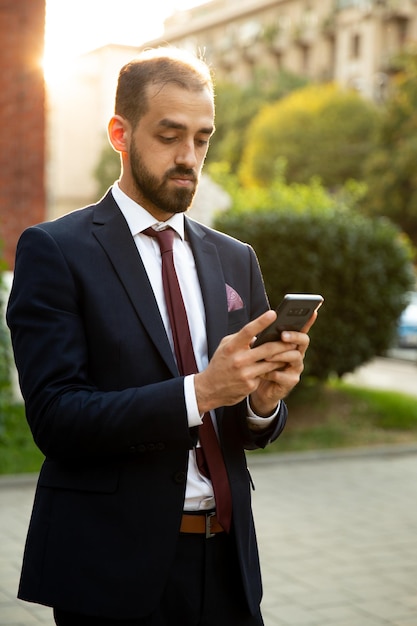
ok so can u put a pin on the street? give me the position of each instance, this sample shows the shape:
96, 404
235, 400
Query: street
388, 373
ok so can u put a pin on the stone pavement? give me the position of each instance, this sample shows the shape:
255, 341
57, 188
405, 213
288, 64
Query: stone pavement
338, 538
399, 374
337, 531
337, 534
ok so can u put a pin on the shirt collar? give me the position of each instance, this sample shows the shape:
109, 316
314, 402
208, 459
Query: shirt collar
138, 218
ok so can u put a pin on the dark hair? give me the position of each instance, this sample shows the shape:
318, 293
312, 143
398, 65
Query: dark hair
158, 66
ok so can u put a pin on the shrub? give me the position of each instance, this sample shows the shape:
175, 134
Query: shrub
237, 105
307, 241
5, 358
390, 169
320, 130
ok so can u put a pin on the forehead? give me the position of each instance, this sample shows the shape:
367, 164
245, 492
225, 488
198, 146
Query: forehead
192, 109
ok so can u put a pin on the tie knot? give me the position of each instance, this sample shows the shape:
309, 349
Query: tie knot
164, 237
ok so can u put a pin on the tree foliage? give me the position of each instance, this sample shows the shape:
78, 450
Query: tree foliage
107, 169
391, 172
237, 105
5, 356
320, 130
308, 241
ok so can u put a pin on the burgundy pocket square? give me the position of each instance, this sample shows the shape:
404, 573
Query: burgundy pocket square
234, 301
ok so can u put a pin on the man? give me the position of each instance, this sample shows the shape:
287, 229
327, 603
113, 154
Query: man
127, 527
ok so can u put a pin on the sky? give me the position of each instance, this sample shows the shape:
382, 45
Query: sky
74, 27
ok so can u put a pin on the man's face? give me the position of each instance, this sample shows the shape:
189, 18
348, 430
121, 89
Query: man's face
167, 149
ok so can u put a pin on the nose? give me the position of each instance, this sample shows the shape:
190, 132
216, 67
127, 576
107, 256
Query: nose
186, 155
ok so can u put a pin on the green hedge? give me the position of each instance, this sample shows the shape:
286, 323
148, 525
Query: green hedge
5, 358
361, 266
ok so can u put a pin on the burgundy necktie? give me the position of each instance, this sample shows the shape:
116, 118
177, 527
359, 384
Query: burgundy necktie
187, 365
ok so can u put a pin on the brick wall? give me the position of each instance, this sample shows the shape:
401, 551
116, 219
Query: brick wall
22, 110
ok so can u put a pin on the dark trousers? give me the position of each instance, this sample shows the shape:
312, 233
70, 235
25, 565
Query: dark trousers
204, 589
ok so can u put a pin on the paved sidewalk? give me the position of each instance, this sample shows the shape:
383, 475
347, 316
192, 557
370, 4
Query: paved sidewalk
337, 534
338, 538
384, 373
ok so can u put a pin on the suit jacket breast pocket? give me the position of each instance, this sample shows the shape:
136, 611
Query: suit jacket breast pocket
236, 320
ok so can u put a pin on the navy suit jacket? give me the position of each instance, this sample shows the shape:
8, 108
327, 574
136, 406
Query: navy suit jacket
106, 406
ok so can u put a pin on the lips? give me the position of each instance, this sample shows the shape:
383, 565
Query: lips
184, 181
182, 174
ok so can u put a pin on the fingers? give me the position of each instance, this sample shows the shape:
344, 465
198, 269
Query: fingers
277, 384
284, 361
245, 336
290, 360
300, 339
237, 370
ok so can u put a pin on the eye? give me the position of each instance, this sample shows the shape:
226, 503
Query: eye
169, 139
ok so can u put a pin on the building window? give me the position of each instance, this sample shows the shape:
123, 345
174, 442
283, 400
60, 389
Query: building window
346, 4
355, 46
305, 60
402, 32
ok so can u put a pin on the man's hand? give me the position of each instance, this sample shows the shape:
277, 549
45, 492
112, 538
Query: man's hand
266, 373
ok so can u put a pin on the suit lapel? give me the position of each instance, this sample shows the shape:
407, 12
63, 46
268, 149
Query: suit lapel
212, 282
112, 232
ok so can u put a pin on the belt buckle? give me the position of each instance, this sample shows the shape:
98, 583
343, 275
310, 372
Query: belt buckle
209, 534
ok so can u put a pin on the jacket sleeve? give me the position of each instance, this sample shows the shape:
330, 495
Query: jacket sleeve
70, 415
261, 438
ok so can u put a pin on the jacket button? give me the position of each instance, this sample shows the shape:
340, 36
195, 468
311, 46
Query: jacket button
180, 477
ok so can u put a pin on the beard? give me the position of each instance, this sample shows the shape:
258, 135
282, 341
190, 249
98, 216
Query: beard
156, 190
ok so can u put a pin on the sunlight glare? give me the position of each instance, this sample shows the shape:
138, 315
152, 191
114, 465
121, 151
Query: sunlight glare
74, 27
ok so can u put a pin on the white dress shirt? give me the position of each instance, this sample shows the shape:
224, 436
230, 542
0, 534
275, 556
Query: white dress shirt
199, 491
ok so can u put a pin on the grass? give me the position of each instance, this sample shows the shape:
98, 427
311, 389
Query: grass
335, 415
18, 453
338, 415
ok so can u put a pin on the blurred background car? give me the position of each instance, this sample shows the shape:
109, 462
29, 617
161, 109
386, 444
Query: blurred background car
407, 325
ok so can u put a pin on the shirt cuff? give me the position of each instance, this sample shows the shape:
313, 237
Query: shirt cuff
256, 422
195, 419
193, 416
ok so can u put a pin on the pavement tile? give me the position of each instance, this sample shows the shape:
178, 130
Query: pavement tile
341, 531
19, 613
337, 538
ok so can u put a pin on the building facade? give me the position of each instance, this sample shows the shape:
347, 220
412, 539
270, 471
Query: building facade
78, 110
22, 110
351, 42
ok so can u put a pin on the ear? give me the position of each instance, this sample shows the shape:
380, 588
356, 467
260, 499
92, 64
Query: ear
118, 131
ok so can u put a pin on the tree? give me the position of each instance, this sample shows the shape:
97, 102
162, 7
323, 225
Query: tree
390, 170
320, 130
107, 169
5, 356
237, 105
309, 241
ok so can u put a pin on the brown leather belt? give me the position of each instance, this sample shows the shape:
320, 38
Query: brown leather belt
201, 523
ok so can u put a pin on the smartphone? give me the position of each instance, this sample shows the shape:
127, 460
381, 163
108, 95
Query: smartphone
292, 314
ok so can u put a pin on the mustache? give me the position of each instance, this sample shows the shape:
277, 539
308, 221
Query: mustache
181, 171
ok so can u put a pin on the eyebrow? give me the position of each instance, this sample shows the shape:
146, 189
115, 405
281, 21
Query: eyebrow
167, 123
